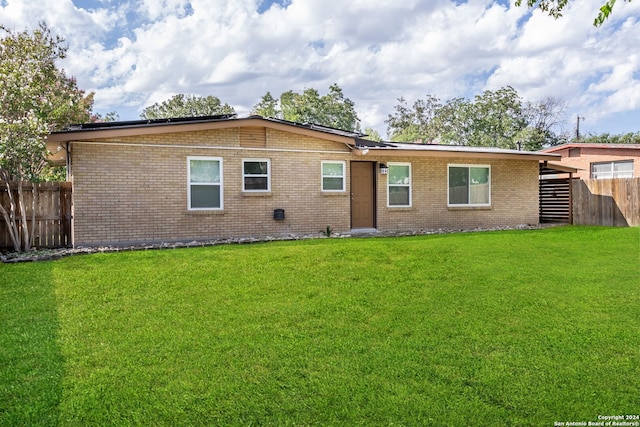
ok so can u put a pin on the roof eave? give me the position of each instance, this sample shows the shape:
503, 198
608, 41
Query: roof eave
558, 168
164, 128
523, 155
570, 145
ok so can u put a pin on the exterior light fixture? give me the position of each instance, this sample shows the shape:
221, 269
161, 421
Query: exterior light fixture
384, 169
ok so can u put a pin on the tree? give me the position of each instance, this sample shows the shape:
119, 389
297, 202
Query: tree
35, 98
545, 119
606, 138
339, 112
554, 8
497, 118
111, 116
186, 106
455, 122
302, 108
332, 109
372, 135
493, 119
416, 123
267, 107
502, 119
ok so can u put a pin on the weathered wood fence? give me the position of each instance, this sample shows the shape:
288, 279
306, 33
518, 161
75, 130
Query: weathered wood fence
53, 214
612, 202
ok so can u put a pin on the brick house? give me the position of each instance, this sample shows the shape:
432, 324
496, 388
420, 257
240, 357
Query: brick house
221, 176
600, 161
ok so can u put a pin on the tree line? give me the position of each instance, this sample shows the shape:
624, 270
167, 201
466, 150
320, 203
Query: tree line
332, 109
496, 118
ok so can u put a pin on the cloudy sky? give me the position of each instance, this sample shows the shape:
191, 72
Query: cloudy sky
135, 53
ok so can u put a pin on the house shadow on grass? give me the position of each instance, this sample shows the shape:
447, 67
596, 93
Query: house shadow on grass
31, 361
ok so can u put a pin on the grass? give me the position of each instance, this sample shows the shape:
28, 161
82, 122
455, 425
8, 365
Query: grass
495, 328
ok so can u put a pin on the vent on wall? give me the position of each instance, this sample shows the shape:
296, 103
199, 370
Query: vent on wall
253, 137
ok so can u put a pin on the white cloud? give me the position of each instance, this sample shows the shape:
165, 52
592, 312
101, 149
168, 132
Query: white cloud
136, 53
76, 25
156, 9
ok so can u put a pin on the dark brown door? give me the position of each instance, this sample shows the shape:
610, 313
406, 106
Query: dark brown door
362, 195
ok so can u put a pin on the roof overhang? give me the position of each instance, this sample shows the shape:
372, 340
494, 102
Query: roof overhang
156, 128
451, 151
96, 132
604, 146
547, 168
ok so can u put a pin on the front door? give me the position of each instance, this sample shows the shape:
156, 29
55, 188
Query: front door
362, 195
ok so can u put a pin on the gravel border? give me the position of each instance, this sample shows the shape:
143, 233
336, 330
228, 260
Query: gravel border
53, 254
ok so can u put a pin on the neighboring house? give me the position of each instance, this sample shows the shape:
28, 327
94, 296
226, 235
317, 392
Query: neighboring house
600, 161
220, 177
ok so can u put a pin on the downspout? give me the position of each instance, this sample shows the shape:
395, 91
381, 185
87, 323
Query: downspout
70, 223
358, 150
68, 161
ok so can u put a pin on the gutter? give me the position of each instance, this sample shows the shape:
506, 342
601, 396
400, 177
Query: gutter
390, 151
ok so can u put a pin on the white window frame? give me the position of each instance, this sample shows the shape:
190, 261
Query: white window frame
468, 166
611, 173
267, 175
220, 184
343, 176
409, 184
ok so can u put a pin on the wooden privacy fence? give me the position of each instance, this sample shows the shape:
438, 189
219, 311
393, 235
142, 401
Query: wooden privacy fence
613, 202
53, 214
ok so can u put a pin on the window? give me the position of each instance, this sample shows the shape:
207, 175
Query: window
399, 185
619, 169
256, 175
333, 178
205, 183
469, 185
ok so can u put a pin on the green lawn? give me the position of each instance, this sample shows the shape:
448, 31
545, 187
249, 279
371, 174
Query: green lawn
475, 329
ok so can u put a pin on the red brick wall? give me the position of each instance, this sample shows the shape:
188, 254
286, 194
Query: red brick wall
588, 155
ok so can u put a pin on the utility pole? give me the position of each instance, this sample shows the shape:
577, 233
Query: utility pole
578, 128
